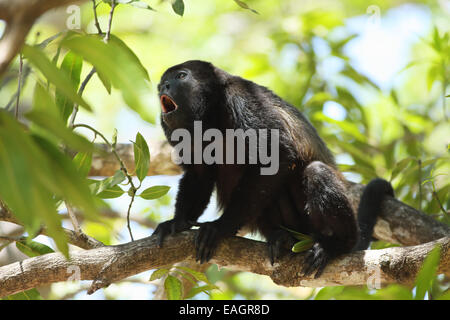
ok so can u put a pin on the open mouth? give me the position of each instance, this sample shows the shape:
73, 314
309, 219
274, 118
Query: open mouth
167, 104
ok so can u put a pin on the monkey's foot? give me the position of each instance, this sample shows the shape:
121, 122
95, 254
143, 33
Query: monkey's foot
316, 260
170, 227
206, 241
278, 243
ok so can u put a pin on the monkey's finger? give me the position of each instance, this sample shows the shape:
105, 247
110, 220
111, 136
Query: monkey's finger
309, 262
270, 248
160, 232
206, 245
320, 268
211, 251
200, 243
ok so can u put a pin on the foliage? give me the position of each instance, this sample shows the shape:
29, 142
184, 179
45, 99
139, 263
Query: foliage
398, 131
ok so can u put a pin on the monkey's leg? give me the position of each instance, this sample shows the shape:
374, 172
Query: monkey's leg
248, 200
331, 217
281, 213
194, 192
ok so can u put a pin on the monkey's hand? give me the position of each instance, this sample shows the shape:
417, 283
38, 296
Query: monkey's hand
279, 243
206, 240
170, 227
316, 260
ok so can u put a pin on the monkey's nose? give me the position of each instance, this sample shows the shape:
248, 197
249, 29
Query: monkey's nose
166, 85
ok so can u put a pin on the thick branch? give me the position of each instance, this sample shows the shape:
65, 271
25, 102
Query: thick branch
112, 263
397, 223
80, 240
20, 16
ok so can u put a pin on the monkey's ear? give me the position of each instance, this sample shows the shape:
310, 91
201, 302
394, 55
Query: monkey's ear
222, 76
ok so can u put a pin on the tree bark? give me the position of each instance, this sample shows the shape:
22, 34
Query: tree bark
109, 264
20, 16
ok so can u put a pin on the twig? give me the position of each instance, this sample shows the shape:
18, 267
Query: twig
122, 168
128, 212
444, 87
19, 86
111, 12
435, 195
83, 241
80, 92
25, 73
74, 220
97, 24
93, 70
419, 162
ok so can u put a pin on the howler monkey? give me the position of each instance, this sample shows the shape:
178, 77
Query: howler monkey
306, 194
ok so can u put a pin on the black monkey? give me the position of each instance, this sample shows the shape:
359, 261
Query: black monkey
307, 194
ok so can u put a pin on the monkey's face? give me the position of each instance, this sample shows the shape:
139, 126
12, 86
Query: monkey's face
185, 93
175, 94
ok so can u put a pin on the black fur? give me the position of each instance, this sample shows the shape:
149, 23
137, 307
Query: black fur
307, 194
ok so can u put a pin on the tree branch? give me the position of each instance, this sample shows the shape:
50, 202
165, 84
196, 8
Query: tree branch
398, 223
80, 240
20, 16
109, 264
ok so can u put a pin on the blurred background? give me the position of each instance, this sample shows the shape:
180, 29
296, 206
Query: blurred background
370, 75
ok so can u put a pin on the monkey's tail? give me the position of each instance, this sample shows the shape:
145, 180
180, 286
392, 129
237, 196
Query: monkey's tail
369, 207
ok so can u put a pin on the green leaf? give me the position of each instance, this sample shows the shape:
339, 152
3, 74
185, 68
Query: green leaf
141, 157
158, 274
131, 55
154, 192
111, 193
297, 235
393, 292
444, 296
173, 288
99, 186
43, 44
68, 184
56, 76
302, 246
329, 293
141, 5
427, 273
33, 248
83, 161
178, 7
45, 114
71, 65
400, 166
115, 62
359, 78
243, 5
196, 290
105, 81
346, 126
31, 294
28, 172
199, 276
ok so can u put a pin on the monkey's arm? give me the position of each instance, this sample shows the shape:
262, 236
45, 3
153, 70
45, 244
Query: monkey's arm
247, 202
194, 192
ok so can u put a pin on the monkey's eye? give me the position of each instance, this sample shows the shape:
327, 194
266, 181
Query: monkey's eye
181, 75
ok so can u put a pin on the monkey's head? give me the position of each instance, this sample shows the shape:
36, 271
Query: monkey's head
188, 92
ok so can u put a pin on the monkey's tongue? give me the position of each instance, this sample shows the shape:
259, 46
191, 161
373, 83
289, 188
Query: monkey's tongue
167, 104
